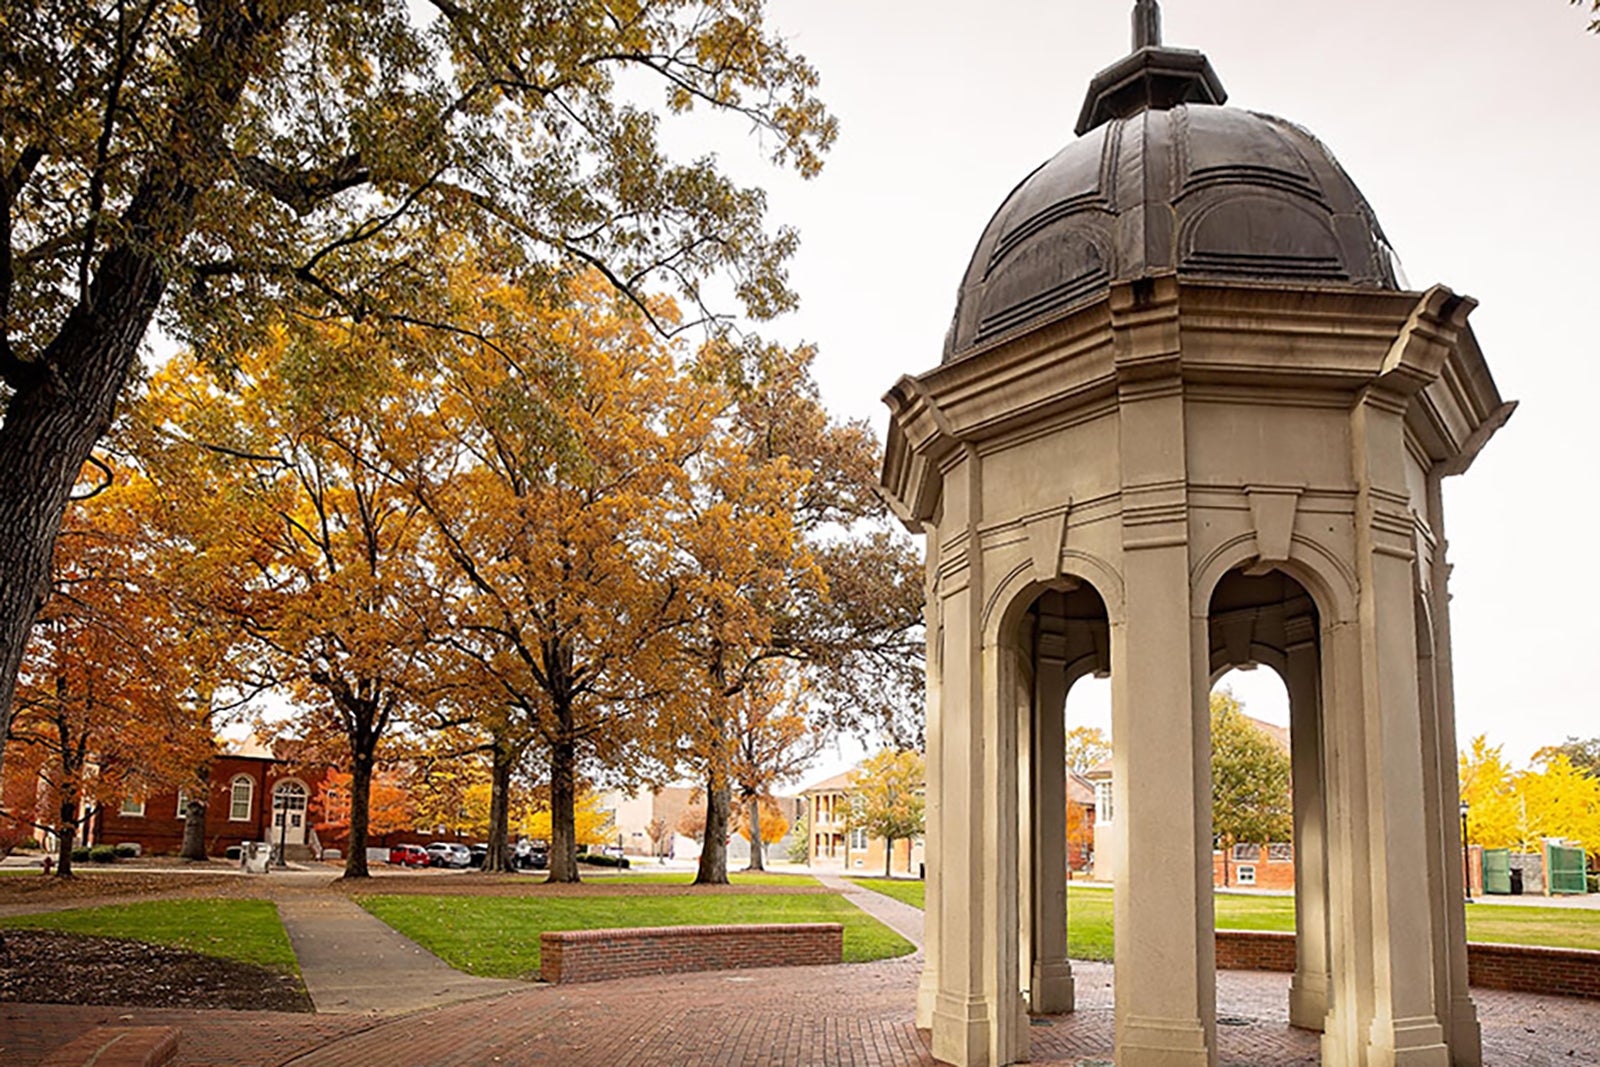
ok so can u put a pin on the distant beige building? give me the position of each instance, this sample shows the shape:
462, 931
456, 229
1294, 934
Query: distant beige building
835, 846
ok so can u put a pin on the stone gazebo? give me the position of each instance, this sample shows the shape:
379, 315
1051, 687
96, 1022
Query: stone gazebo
1188, 419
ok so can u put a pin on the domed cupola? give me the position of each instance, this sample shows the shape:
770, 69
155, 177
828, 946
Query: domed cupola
1164, 178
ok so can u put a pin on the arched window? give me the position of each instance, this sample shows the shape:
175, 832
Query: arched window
243, 798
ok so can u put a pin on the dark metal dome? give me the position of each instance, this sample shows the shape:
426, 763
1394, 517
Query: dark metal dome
1164, 178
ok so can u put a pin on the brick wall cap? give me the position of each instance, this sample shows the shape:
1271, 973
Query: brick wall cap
656, 932
122, 1046
1541, 951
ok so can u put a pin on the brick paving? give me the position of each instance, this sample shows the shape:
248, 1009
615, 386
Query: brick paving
852, 1015
28, 1032
856, 1015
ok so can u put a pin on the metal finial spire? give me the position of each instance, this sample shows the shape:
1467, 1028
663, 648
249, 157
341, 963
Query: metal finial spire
1146, 24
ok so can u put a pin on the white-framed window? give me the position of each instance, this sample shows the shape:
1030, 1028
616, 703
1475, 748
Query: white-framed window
242, 795
183, 803
1245, 852
1280, 852
1247, 874
858, 839
132, 807
1102, 802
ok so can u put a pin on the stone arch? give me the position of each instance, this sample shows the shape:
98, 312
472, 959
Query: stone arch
1329, 582
1015, 593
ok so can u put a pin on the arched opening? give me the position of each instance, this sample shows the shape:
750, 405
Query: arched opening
1269, 619
1065, 784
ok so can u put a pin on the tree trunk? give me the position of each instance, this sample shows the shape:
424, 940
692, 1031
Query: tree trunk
563, 823
66, 835
754, 816
713, 868
498, 857
194, 831
888, 857
62, 402
355, 864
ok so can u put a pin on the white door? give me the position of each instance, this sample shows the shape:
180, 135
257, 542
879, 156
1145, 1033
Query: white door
289, 813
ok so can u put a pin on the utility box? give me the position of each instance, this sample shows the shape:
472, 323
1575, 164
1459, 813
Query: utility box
255, 857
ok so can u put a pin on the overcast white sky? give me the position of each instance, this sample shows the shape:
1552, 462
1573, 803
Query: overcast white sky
1470, 126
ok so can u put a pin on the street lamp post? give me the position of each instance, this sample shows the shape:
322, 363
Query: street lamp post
282, 814
1466, 854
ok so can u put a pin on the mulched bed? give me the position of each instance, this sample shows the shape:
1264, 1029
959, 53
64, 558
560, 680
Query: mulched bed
46, 967
110, 881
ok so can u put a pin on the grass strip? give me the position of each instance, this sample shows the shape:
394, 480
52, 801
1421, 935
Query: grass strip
686, 878
905, 890
499, 936
1089, 933
246, 930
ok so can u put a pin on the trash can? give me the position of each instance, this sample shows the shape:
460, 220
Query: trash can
1516, 881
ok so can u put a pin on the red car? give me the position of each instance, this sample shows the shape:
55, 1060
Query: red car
408, 855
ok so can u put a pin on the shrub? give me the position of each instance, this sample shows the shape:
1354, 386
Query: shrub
1594, 882
80, 854
102, 854
127, 852
600, 859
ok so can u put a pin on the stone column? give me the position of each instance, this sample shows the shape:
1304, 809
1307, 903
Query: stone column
1050, 980
1160, 718
1392, 840
928, 985
1308, 993
1466, 1040
960, 1013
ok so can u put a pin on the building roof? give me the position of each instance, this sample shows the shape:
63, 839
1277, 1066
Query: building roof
1165, 178
838, 783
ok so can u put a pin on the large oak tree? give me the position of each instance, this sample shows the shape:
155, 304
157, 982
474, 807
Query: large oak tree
203, 160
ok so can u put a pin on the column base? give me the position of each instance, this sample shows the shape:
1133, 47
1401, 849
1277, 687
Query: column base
1466, 1038
1415, 1042
1051, 990
927, 997
1308, 1001
1150, 1042
961, 1031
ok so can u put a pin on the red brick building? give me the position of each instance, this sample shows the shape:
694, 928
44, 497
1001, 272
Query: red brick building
252, 797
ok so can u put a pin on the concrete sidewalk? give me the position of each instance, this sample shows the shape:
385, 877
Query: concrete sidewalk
902, 918
353, 963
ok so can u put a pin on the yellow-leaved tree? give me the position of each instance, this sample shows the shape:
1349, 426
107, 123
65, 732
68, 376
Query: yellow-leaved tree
886, 799
551, 473
592, 824
1518, 809
284, 463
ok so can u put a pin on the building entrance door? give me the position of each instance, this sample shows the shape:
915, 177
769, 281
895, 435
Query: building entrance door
289, 813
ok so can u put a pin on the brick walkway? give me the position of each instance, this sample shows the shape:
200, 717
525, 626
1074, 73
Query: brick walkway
844, 1016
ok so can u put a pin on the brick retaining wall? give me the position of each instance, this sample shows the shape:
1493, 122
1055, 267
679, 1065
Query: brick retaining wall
1568, 972
597, 955
1254, 950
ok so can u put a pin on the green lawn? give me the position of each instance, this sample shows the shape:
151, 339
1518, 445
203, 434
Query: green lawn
499, 936
1552, 927
1089, 918
246, 930
687, 878
904, 890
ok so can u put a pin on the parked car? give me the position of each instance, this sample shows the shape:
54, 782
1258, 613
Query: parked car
478, 853
408, 855
530, 856
446, 854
